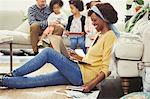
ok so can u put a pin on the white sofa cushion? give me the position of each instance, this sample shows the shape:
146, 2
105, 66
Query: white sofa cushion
18, 37
129, 48
128, 68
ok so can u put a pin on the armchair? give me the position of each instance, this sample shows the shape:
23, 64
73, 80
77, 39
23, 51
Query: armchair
132, 49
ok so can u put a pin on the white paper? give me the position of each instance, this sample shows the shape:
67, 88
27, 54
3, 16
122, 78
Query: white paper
75, 88
80, 95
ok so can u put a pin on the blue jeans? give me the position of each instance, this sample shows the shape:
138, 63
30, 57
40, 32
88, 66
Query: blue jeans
68, 72
78, 40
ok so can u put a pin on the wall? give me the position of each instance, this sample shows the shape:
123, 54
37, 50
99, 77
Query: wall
119, 5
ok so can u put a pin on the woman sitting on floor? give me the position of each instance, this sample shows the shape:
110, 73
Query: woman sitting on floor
87, 72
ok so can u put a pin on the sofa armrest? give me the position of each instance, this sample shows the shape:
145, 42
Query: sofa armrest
146, 41
24, 27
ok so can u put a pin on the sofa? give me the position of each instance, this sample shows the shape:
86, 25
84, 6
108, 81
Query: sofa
19, 29
13, 22
131, 52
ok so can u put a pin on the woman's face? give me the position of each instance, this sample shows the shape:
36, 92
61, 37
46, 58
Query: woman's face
97, 22
73, 9
56, 8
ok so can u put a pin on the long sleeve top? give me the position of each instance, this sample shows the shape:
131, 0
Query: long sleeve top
98, 56
36, 14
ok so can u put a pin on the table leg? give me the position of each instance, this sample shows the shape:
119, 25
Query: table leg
11, 57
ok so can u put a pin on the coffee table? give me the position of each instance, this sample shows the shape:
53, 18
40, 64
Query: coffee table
8, 39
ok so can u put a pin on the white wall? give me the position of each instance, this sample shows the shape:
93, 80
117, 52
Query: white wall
15, 4
119, 5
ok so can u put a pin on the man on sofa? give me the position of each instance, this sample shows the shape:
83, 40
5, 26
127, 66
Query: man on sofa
37, 15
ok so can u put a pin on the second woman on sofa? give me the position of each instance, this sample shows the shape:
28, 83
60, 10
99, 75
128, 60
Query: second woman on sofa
57, 20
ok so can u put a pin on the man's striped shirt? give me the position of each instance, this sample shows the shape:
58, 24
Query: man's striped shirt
36, 14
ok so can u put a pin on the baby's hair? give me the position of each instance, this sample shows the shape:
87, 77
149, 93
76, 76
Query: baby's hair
53, 2
78, 4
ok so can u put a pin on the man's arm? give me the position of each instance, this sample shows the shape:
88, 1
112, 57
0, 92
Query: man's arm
31, 15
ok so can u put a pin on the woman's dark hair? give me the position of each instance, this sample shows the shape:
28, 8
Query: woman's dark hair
78, 4
53, 2
108, 12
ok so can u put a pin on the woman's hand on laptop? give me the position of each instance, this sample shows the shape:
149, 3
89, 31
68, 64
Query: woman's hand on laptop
74, 55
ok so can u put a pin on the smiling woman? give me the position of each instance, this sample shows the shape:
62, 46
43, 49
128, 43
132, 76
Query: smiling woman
110, 18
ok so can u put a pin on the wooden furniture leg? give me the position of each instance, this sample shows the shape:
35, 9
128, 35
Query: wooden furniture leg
11, 58
125, 82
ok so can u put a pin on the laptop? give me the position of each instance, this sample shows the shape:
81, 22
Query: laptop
59, 46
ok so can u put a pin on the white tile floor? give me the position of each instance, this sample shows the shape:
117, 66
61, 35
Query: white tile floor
17, 61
